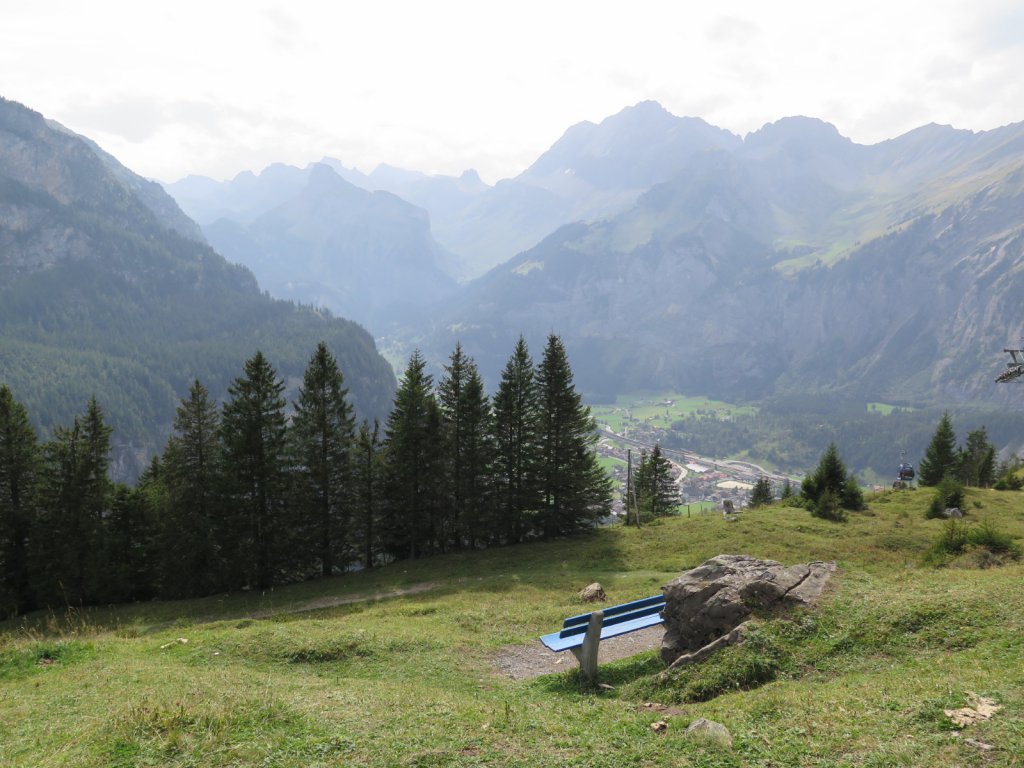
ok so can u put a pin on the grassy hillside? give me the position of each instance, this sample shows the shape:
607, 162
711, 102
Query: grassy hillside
318, 675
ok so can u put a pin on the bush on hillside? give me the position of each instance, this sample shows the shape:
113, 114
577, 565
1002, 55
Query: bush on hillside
949, 494
957, 538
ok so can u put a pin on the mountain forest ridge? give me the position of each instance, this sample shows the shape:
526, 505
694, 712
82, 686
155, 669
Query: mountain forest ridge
665, 252
108, 290
670, 253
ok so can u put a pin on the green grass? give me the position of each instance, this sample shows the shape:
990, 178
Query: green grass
285, 679
653, 408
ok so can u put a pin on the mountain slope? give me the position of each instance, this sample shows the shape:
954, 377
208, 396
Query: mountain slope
801, 263
106, 292
369, 256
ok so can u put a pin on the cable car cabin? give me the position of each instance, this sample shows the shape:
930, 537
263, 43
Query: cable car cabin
905, 472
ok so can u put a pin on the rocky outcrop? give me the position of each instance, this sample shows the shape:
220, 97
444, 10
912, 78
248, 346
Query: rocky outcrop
710, 601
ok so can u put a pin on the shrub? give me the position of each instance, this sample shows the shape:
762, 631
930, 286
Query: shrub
949, 493
986, 535
829, 507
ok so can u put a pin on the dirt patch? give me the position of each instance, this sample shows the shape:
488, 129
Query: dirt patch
521, 662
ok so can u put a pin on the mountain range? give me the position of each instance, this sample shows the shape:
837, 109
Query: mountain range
671, 253
798, 261
108, 289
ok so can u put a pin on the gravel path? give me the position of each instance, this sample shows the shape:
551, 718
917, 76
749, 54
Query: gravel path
521, 662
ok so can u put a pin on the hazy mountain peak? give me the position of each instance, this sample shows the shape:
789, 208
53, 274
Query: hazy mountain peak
793, 129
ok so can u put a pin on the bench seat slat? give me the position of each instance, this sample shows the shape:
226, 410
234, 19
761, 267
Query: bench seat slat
618, 620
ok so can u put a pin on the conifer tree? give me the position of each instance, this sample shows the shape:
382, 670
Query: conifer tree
761, 494
19, 470
128, 560
830, 490
575, 491
412, 465
976, 462
253, 429
322, 436
656, 491
517, 446
941, 457
367, 473
466, 432
75, 494
194, 512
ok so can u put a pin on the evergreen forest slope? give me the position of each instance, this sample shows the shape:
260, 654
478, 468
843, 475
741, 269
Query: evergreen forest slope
107, 289
400, 666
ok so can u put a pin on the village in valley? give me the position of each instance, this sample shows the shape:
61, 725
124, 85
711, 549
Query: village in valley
635, 424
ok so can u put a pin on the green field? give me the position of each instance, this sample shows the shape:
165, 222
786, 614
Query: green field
661, 409
299, 677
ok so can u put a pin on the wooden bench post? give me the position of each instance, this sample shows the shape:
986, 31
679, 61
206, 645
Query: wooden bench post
586, 654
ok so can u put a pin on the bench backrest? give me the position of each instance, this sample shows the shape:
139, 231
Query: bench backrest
616, 614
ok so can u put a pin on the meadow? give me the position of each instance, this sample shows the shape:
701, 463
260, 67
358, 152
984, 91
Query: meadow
397, 666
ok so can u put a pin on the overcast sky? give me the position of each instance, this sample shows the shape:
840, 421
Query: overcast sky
216, 87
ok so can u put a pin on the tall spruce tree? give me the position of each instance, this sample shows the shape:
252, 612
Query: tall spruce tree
413, 468
575, 491
761, 494
830, 490
75, 495
467, 452
976, 462
253, 428
322, 437
367, 479
657, 494
19, 470
940, 457
516, 428
129, 557
194, 512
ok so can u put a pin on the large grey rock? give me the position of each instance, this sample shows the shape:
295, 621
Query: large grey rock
711, 600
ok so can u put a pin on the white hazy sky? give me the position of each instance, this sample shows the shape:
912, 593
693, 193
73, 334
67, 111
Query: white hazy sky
216, 87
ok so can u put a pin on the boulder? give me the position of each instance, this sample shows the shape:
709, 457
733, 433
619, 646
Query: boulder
709, 731
711, 600
593, 593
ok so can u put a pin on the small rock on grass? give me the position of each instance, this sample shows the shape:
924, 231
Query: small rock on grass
709, 731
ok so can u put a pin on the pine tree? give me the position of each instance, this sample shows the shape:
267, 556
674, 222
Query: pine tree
656, 491
412, 465
129, 556
517, 446
367, 473
322, 437
19, 470
575, 491
830, 490
787, 490
253, 428
941, 457
194, 512
466, 433
976, 462
761, 495
75, 495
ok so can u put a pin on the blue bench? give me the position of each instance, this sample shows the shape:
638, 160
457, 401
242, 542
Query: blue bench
583, 634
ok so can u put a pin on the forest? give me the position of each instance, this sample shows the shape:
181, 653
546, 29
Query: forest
256, 492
